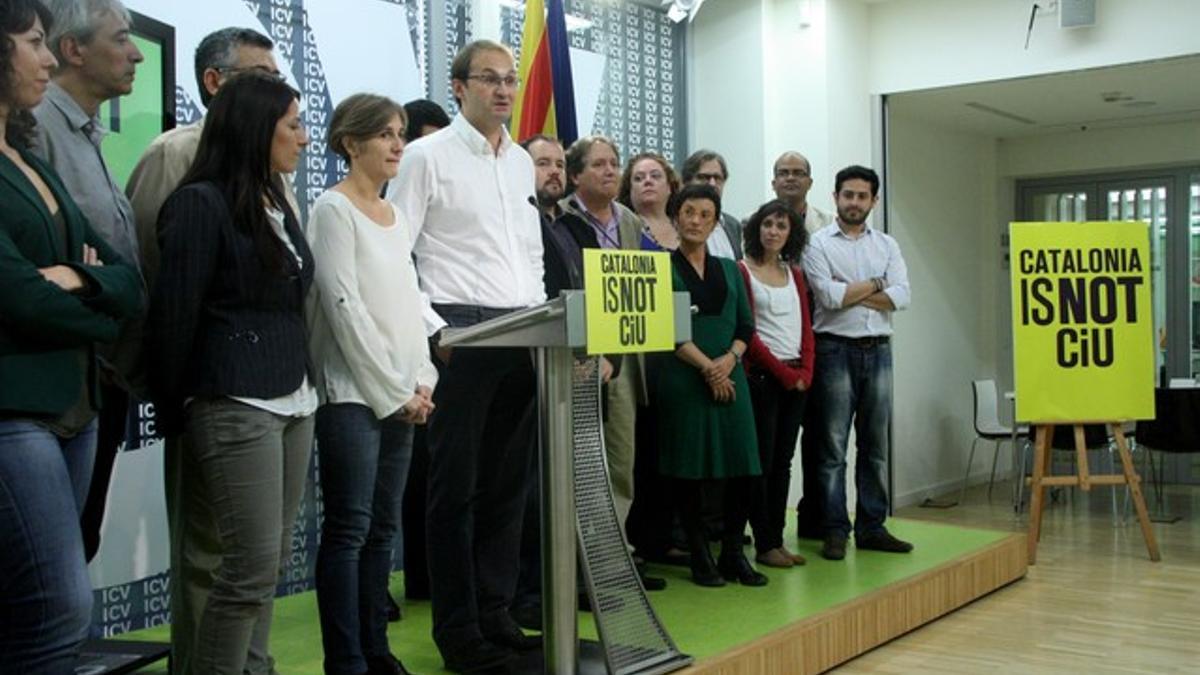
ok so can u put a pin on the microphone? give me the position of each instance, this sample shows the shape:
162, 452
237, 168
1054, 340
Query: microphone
534, 202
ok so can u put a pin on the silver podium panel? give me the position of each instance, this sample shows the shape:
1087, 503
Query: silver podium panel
633, 638
558, 323
576, 493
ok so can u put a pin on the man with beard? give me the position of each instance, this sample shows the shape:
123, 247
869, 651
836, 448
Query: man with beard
564, 267
549, 166
791, 182
858, 278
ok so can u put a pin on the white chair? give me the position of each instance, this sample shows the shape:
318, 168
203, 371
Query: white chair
987, 427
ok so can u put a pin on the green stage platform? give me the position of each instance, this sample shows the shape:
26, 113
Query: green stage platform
950, 567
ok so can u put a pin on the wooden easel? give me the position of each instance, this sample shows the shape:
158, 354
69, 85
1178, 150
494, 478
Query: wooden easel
1085, 480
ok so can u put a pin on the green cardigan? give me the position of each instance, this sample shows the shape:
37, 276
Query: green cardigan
43, 329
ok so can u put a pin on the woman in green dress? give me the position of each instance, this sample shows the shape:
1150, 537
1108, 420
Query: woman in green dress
706, 425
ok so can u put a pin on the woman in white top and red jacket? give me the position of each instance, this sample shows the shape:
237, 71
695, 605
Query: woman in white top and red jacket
779, 365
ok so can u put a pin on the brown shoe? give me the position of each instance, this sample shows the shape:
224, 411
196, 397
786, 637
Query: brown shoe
796, 558
774, 558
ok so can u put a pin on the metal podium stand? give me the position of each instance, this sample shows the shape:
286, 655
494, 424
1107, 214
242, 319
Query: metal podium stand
577, 503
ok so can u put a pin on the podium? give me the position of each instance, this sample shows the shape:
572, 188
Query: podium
577, 510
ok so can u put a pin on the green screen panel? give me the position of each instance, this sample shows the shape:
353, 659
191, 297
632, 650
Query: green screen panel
140, 114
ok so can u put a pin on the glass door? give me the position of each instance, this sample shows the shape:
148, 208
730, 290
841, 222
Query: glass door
1149, 202
1059, 204
1169, 201
1193, 273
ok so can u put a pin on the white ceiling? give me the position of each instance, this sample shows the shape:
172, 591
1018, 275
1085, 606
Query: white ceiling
1128, 95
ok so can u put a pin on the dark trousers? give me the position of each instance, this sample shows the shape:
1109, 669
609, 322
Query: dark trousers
653, 510
809, 513
480, 440
416, 564
733, 495
529, 583
113, 419
777, 415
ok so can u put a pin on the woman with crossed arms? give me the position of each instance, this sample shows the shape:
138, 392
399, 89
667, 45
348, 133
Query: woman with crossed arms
62, 291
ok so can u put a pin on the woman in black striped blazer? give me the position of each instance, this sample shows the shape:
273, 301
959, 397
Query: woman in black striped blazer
230, 369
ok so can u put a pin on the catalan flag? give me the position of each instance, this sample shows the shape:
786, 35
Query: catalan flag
546, 101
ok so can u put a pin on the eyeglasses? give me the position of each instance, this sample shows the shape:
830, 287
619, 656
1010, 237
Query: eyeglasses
233, 70
710, 178
493, 80
784, 173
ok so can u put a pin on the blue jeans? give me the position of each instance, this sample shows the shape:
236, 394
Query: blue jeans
854, 384
45, 594
363, 467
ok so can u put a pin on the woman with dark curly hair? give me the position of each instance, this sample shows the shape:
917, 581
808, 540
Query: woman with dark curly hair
62, 291
779, 365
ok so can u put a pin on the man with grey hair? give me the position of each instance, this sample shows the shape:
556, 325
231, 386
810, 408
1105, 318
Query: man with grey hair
96, 63
707, 166
592, 214
791, 182
219, 56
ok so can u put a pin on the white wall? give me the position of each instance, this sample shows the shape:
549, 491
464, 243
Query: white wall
942, 212
725, 92
759, 83
920, 44
1101, 149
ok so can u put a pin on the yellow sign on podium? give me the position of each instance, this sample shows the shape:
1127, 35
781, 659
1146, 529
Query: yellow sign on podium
629, 303
1083, 328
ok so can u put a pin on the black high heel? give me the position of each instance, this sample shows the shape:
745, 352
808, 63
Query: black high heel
735, 567
704, 570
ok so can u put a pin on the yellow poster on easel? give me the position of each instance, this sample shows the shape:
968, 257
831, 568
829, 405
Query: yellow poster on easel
1083, 337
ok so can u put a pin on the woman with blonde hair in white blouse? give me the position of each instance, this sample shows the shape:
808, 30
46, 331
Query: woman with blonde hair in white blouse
374, 377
